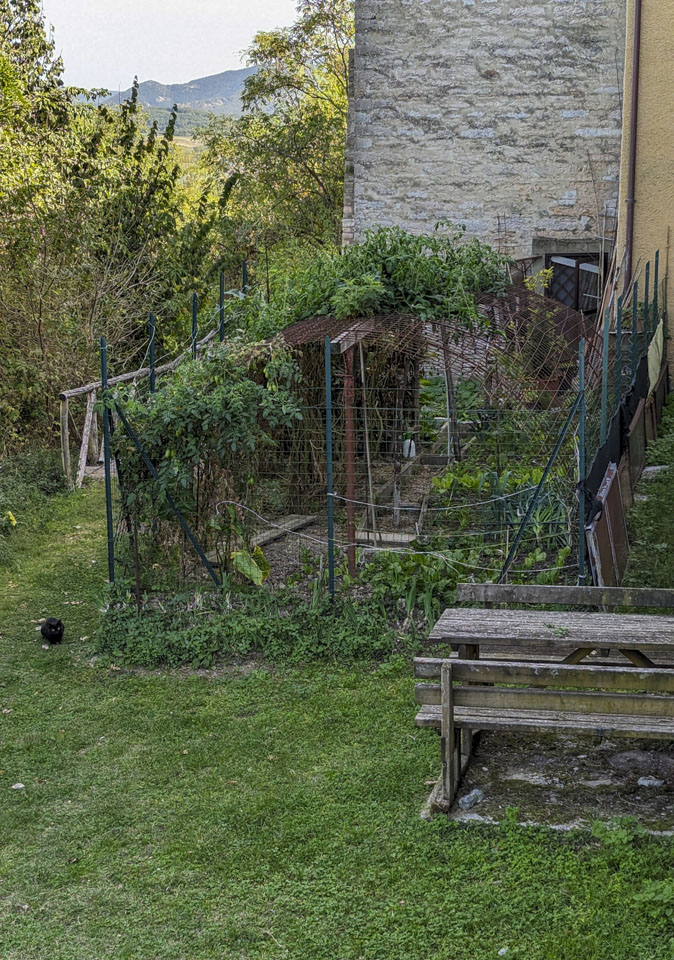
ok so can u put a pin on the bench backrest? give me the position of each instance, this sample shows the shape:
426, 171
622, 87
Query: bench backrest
584, 689
607, 597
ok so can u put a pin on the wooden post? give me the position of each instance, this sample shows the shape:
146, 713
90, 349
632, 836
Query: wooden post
86, 433
349, 392
94, 446
370, 485
65, 444
328, 461
449, 773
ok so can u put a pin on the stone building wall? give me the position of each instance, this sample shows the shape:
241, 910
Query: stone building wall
503, 115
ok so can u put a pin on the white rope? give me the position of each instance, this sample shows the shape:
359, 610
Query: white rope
457, 506
450, 562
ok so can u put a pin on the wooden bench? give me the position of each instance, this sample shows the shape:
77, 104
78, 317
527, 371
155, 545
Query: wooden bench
569, 635
468, 695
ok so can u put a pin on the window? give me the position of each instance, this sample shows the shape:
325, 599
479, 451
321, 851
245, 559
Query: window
576, 280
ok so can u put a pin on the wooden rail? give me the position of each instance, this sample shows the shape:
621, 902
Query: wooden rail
89, 443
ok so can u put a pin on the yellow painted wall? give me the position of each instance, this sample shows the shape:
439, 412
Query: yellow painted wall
654, 194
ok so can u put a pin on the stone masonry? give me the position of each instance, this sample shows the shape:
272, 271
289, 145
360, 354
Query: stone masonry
502, 115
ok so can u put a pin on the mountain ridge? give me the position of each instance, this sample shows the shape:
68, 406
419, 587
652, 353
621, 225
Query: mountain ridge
219, 93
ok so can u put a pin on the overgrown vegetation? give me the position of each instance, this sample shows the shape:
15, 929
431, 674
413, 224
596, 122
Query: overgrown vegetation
200, 630
651, 521
433, 276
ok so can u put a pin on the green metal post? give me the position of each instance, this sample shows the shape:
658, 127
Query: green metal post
222, 306
604, 378
152, 358
618, 355
328, 451
195, 310
581, 462
647, 316
539, 489
656, 280
106, 461
635, 328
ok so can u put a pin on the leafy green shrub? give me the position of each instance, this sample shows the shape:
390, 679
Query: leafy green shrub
26, 480
434, 276
282, 629
421, 581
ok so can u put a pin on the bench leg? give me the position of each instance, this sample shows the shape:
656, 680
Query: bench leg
451, 762
468, 651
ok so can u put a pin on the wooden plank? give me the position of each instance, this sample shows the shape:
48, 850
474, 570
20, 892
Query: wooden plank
422, 512
351, 336
637, 658
597, 724
545, 700
65, 444
286, 525
84, 449
385, 538
136, 374
624, 480
653, 679
554, 629
636, 443
576, 656
565, 596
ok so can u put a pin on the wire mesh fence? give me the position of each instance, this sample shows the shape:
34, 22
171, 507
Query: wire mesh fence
397, 457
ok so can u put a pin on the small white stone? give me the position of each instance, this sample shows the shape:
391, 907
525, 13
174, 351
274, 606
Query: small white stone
650, 782
502, 952
17, 786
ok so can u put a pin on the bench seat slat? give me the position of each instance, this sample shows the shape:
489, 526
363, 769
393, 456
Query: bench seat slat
584, 675
566, 701
547, 722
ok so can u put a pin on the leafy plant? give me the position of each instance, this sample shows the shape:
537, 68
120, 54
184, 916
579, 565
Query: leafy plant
198, 629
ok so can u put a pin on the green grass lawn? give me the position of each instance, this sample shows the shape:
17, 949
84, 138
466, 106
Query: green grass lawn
267, 814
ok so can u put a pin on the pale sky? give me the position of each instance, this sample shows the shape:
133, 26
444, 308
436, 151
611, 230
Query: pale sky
104, 44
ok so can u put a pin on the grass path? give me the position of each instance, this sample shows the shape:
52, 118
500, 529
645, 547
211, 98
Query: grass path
267, 815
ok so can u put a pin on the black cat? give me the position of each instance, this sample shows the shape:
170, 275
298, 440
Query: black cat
52, 630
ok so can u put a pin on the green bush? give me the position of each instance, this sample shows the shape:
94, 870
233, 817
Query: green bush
197, 630
26, 481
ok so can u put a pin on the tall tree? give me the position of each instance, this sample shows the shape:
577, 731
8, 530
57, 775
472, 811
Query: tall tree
286, 151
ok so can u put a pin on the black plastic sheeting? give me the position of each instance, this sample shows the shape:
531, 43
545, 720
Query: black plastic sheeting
616, 438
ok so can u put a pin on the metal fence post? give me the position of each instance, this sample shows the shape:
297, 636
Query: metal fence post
328, 451
581, 463
106, 461
244, 276
152, 358
604, 378
618, 355
222, 306
656, 280
635, 328
195, 310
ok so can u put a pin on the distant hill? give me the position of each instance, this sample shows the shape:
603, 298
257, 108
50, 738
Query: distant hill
220, 94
